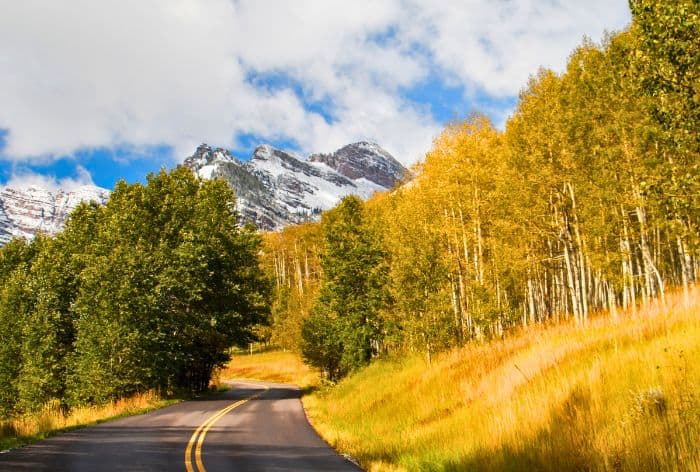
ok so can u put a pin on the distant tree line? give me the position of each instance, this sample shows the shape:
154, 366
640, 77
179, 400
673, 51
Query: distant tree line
588, 201
146, 292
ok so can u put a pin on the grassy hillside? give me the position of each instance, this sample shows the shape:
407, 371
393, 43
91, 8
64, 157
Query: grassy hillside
618, 394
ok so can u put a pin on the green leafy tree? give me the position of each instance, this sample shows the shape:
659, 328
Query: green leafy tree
15, 262
170, 284
345, 329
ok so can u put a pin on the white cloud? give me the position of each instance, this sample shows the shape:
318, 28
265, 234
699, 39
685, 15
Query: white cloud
81, 74
496, 45
27, 179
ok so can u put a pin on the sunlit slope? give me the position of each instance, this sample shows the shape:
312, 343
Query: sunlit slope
618, 394
271, 366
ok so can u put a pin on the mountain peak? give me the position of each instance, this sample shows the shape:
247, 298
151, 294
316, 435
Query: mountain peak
205, 159
277, 188
365, 160
205, 154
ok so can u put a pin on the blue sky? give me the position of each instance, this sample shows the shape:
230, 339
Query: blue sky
96, 93
443, 102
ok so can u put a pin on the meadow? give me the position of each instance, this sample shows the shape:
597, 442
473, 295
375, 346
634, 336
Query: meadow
620, 394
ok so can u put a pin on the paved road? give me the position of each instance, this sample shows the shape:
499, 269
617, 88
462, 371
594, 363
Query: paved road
252, 427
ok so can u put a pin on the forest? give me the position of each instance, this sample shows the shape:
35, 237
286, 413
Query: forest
146, 293
587, 201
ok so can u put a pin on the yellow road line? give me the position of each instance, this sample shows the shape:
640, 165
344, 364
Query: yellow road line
197, 439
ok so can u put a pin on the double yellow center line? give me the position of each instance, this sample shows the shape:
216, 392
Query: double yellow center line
193, 461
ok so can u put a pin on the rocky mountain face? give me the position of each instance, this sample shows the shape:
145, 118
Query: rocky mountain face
277, 188
25, 212
364, 160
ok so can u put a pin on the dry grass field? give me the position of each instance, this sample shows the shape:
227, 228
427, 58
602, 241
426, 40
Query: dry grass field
619, 394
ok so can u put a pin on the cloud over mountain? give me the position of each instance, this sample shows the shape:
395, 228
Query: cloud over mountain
80, 75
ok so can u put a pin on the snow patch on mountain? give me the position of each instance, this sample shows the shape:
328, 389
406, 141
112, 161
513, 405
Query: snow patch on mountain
27, 211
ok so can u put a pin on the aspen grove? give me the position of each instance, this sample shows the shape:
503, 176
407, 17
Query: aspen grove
587, 201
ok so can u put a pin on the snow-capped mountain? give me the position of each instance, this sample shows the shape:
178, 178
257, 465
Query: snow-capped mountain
274, 189
27, 211
277, 188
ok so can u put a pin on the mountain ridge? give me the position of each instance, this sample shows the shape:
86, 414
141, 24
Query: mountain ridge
27, 211
274, 189
277, 188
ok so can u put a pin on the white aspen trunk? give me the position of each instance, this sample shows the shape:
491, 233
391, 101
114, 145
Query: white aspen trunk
530, 296
480, 248
645, 285
684, 260
544, 297
612, 302
594, 286
464, 307
644, 248
625, 290
458, 288
650, 268
627, 250
582, 286
297, 271
499, 323
465, 244
557, 308
572, 284
498, 293
455, 308
283, 269
592, 282
563, 299
542, 309
658, 252
659, 280
277, 272
464, 276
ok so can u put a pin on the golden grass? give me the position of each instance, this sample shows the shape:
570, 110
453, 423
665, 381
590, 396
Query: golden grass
51, 419
271, 366
618, 394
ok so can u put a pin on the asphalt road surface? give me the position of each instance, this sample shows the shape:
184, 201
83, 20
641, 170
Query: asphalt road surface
252, 427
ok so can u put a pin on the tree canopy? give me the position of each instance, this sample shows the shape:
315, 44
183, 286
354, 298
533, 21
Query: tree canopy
147, 292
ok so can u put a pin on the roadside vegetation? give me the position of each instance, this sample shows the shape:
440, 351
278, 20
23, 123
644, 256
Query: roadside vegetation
52, 418
528, 300
619, 393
